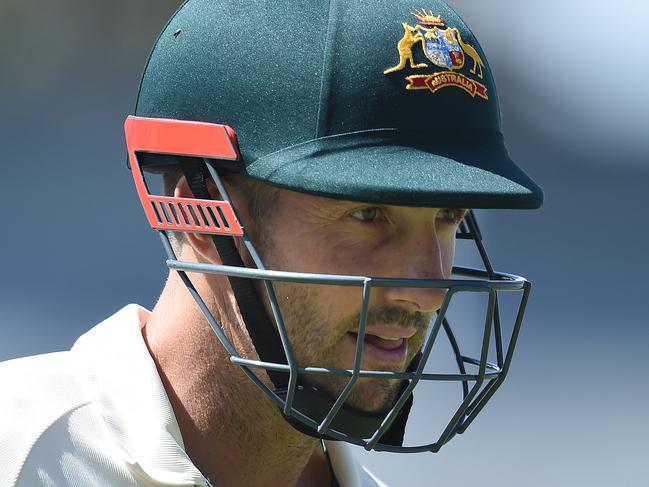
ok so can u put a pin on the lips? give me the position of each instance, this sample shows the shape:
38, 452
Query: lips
383, 342
381, 350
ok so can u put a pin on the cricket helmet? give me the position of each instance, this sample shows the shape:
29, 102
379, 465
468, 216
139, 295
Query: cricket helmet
390, 102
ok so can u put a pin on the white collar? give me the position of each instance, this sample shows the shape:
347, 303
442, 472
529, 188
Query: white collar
343, 463
130, 395
128, 391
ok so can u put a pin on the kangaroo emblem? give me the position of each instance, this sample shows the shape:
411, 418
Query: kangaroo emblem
405, 46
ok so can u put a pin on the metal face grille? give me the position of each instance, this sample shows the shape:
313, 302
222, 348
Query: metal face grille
477, 386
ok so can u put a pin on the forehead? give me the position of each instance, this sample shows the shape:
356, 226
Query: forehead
299, 200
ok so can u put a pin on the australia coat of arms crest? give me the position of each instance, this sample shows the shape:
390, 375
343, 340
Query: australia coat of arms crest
445, 48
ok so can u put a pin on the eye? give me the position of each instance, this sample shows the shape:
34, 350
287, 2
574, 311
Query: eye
452, 216
366, 214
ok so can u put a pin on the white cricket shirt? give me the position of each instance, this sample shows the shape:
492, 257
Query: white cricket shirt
98, 415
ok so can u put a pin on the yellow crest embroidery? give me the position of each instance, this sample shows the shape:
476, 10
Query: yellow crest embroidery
444, 47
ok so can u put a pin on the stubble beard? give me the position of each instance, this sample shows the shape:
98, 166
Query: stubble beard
304, 317
316, 339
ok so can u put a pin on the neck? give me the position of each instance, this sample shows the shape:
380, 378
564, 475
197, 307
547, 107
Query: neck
233, 433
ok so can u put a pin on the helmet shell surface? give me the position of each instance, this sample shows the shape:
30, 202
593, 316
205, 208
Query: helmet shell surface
318, 105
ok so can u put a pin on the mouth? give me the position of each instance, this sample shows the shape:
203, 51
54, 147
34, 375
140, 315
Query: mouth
382, 349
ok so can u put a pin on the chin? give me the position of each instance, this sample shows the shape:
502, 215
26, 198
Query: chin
374, 396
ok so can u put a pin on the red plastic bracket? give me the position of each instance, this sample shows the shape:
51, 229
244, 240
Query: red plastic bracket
186, 138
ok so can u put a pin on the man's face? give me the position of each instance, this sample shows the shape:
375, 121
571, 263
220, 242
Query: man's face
320, 235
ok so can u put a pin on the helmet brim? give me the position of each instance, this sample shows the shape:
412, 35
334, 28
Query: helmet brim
406, 169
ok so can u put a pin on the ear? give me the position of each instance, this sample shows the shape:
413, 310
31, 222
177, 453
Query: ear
201, 243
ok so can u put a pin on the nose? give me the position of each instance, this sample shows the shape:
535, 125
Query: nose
420, 257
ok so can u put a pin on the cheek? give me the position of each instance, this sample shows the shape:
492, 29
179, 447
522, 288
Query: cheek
315, 315
354, 260
447, 254
327, 255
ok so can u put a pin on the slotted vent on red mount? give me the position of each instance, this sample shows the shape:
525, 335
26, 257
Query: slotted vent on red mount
181, 137
188, 214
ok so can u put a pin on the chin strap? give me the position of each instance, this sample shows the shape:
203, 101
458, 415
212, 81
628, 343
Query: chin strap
262, 333
360, 424
308, 400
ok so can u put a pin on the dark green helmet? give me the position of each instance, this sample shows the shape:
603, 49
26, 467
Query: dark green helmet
389, 101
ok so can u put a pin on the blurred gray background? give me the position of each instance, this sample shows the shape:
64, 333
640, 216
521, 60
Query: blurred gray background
572, 79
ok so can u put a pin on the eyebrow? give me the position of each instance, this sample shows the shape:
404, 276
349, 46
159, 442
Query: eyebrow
335, 203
